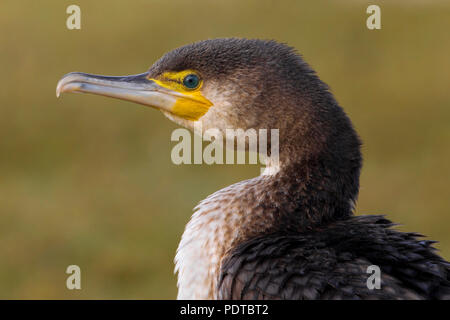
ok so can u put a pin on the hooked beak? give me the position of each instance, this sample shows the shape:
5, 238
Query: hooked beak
136, 88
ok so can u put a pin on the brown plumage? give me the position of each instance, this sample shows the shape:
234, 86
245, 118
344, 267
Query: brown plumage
290, 234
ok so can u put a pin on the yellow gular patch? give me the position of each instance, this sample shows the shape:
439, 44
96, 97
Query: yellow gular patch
190, 103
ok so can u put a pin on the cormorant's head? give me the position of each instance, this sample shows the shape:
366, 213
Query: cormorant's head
251, 84
219, 82
233, 84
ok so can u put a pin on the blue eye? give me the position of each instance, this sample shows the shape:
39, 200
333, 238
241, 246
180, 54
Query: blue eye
191, 81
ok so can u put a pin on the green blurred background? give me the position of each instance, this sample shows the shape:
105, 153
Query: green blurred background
87, 180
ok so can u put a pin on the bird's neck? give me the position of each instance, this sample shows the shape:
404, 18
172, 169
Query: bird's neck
298, 197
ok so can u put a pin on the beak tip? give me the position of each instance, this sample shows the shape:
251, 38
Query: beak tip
59, 87
63, 84
59, 90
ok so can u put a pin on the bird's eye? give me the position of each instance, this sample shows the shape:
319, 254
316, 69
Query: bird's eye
191, 81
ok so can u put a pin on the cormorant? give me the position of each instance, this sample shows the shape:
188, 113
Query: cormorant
291, 232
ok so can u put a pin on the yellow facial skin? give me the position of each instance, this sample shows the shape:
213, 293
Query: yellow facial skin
190, 104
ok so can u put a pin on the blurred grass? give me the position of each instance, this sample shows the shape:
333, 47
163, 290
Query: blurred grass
89, 181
